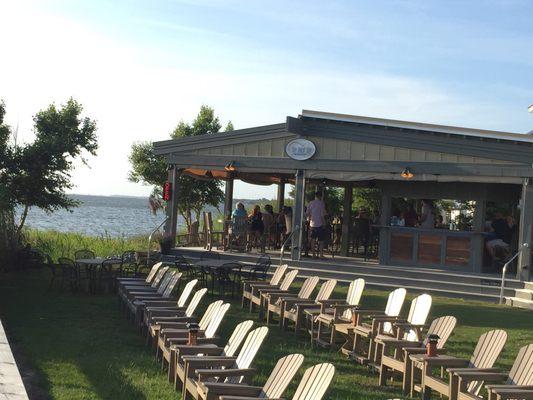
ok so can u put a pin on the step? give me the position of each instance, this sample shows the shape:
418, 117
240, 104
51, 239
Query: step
526, 294
529, 285
520, 303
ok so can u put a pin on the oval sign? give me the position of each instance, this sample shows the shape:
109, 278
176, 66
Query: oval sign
300, 149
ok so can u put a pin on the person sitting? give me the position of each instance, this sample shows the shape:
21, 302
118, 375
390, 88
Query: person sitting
239, 224
502, 233
257, 226
269, 225
410, 216
440, 222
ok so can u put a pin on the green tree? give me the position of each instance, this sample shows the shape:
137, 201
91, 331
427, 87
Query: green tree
194, 194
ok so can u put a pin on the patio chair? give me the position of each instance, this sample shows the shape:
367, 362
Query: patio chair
488, 348
275, 300
85, 253
336, 314
367, 327
281, 376
395, 352
59, 271
151, 283
69, 272
107, 273
222, 369
154, 318
227, 275
260, 269
518, 384
248, 285
121, 281
409, 329
206, 348
261, 297
294, 308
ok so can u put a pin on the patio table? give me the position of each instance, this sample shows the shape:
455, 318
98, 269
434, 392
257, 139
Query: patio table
91, 265
211, 267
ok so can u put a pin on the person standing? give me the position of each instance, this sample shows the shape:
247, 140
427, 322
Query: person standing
316, 212
427, 219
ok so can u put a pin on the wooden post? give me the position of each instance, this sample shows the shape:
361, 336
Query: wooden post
228, 197
478, 225
346, 219
297, 215
523, 270
281, 195
172, 205
384, 233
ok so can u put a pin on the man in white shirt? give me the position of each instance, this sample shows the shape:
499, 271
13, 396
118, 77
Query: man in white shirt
316, 211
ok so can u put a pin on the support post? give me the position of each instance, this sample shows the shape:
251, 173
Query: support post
228, 197
346, 219
523, 270
174, 174
281, 195
384, 233
297, 215
478, 225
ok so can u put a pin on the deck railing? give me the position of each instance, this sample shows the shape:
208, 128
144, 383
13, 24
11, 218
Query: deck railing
294, 230
150, 239
504, 269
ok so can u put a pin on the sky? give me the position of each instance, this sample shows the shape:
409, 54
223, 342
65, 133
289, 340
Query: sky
140, 67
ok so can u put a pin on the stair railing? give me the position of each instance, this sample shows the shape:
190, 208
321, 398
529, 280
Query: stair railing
504, 269
150, 239
294, 230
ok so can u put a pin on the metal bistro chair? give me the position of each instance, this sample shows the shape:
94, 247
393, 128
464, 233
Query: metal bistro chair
260, 269
186, 268
68, 273
228, 275
106, 275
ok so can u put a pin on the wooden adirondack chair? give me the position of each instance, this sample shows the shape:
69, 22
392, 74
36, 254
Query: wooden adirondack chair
154, 318
518, 384
409, 329
294, 308
368, 326
275, 386
395, 352
336, 314
222, 369
121, 281
274, 300
137, 286
164, 304
487, 350
249, 286
314, 384
262, 293
206, 348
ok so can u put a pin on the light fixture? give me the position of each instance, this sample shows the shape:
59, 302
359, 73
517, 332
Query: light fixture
230, 167
407, 174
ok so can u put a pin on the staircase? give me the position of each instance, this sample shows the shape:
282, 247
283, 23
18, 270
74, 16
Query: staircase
523, 298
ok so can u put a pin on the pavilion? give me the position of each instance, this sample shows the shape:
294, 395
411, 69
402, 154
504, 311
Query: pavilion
402, 159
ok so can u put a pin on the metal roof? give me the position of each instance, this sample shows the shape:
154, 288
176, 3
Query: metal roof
452, 130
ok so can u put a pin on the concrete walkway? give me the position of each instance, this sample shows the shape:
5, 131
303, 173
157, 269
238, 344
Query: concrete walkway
11, 385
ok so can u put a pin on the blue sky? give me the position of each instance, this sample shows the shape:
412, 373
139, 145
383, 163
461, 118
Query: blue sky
139, 67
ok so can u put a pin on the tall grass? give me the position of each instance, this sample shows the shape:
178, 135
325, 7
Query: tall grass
60, 244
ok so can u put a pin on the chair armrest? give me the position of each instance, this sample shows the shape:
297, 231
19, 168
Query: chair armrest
233, 389
171, 325
154, 313
506, 394
224, 373
467, 376
244, 398
445, 362
160, 304
334, 302
195, 362
398, 343
186, 350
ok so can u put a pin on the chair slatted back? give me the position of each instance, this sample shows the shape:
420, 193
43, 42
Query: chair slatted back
315, 382
187, 290
488, 348
165, 281
249, 349
237, 337
418, 314
393, 307
278, 274
153, 272
159, 276
353, 298
214, 323
281, 376
308, 287
211, 311
174, 280
443, 328
191, 308
288, 279
325, 290
522, 370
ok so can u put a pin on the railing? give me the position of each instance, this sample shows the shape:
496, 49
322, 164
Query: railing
150, 238
504, 269
294, 230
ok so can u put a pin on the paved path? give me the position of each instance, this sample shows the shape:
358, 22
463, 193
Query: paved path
11, 385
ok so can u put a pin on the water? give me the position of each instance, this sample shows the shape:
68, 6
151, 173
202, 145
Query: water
100, 215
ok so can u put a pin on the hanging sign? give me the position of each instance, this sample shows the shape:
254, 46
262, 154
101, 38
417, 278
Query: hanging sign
300, 149
167, 191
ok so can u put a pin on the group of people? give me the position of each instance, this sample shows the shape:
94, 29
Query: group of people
427, 218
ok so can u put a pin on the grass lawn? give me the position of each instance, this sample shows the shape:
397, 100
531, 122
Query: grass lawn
78, 346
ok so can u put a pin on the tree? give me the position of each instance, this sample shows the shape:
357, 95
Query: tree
150, 169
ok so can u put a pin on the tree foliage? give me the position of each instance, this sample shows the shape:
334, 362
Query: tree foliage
193, 194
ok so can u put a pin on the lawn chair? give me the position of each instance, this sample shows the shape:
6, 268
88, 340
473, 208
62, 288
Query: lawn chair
336, 314
294, 308
207, 349
274, 387
518, 384
124, 288
261, 294
153, 318
248, 286
409, 329
275, 300
488, 348
395, 352
368, 326
222, 369
140, 281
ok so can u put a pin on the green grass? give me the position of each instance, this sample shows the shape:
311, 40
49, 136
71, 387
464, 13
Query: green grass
81, 347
